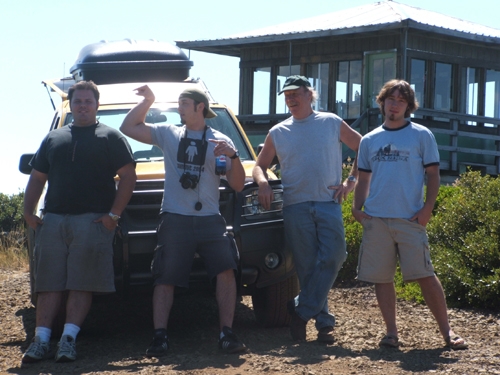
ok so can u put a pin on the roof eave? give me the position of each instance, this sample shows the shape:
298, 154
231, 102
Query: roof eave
232, 46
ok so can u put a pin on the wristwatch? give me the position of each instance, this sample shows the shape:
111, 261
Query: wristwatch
114, 217
351, 178
236, 154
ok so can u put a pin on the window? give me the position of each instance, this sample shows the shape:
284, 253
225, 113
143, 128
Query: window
443, 94
492, 95
348, 89
318, 76
261, 90
471, 84
417, 80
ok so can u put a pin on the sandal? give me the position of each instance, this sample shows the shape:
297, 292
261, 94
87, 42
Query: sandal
451, 342
390, 341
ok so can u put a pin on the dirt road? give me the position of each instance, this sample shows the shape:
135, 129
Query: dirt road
115, 336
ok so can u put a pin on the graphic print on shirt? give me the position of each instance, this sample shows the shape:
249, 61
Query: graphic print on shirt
191, 154
390, 152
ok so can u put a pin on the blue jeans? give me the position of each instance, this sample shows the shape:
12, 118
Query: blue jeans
314, 232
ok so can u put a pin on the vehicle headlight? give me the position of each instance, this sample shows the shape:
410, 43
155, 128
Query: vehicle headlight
272, 260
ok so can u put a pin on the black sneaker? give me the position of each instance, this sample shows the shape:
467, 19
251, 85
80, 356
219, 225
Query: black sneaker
159, 346
230, 343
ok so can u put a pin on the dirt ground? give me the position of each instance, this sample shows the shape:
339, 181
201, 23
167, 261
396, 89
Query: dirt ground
116, 334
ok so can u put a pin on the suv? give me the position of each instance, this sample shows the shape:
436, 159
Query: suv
265, 269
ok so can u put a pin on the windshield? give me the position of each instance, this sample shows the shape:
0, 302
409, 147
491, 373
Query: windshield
144, 152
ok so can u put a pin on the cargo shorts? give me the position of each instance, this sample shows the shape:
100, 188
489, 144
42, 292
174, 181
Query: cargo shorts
385, 241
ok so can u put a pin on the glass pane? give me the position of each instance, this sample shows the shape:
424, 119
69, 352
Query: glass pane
354, 106
318, 75
471, 85
378, 79
144, 152
348, 89
443, 87
261, 87
417, 80
492, 97
283, 73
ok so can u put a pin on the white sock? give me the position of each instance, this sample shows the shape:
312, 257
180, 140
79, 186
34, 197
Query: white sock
44, 333
71, 330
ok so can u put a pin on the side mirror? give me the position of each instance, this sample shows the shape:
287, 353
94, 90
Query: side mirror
24, 163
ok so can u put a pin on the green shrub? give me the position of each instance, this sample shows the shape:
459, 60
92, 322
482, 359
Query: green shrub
11, 211
464, 237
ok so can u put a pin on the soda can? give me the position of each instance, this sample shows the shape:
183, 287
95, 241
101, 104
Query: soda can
220, 165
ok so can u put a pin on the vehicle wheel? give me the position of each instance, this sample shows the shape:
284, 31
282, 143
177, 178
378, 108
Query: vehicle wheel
269, 303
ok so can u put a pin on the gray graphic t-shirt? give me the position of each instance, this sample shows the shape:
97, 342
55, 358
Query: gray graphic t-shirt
397, 159
189, 152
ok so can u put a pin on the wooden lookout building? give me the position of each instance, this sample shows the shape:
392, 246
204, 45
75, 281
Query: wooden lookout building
453, 65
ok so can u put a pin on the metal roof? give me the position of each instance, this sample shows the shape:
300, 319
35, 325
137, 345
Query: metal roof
373, 17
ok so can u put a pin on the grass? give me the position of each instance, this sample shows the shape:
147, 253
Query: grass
13, 251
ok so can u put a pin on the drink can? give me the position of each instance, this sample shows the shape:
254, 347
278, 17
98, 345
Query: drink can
220, 165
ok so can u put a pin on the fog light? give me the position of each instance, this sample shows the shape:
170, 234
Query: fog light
272, 260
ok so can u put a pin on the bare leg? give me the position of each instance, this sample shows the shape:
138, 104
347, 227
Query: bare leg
78, 306
386, 298
226, 297
433, 293
47, 307
163, 299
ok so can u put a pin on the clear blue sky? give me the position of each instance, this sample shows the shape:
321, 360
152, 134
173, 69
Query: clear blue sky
40, 39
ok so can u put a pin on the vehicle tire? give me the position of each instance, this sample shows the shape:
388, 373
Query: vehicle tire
269, 303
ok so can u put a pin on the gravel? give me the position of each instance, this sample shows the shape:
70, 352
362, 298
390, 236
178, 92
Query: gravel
117, 332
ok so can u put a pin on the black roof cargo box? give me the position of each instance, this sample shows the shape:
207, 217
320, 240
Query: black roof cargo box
131, 61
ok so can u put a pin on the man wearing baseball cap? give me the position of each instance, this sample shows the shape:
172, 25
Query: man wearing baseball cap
190, 218
309, 149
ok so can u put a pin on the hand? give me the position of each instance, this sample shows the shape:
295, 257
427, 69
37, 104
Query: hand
422, 217
341, 191
32, 220
145, 92
108, 222
359, 215
222, 148
266, 195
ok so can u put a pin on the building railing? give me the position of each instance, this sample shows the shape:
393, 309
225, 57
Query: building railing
463, 140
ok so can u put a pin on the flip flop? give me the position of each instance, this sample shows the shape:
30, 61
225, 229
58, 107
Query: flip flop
390, 341
451, 342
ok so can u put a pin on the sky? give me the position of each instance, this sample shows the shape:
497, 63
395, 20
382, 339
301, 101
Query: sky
41, 40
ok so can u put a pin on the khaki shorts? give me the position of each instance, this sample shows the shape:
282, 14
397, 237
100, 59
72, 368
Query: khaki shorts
72, 252
387, 240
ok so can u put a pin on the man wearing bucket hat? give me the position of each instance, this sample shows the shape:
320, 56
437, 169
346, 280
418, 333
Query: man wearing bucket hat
309, 149
190, 219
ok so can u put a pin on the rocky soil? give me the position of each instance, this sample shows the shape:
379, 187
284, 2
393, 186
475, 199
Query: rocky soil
116, 334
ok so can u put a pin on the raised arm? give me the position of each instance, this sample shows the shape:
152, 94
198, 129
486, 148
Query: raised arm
134, 125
